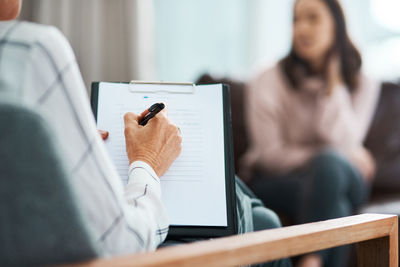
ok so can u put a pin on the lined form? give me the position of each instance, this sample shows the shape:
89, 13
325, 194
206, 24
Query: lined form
188, 165
193, 189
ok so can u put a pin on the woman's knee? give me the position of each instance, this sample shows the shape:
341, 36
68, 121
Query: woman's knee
330, 159
329, 177
264, 218
330, 168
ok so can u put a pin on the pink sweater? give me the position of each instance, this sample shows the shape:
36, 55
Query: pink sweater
288, 127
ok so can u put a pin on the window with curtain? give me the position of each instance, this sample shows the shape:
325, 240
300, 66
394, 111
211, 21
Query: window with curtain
194, 36
235, 37
181, 39
112, 40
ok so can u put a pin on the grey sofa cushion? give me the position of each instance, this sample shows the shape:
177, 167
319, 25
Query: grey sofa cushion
40, 222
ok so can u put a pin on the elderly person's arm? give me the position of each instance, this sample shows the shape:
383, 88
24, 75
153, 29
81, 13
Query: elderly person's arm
42, 72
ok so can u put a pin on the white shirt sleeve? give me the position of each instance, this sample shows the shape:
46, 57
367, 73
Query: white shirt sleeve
143, 192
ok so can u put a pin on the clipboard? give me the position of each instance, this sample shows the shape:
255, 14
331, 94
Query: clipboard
173, 90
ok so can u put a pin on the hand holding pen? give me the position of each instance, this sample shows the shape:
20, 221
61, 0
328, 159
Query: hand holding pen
158, 143
152, 111
147, 115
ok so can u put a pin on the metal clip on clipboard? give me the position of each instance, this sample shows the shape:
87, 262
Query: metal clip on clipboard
167, 87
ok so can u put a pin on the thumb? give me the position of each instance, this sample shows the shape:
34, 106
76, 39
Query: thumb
131, 119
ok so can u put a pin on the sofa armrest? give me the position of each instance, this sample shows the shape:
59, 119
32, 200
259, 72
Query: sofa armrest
376, 235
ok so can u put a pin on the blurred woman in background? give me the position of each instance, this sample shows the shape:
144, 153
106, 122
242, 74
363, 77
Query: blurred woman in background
307, 118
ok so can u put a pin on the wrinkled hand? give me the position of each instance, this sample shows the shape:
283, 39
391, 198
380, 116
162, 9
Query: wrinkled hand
158, 143
364, 162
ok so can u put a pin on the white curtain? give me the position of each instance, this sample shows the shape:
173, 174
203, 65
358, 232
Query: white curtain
112, 39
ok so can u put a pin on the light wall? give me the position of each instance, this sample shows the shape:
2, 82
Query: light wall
236, 37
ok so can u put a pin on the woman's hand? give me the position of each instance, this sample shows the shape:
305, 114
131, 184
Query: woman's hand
334, 73
364, 162
158, 143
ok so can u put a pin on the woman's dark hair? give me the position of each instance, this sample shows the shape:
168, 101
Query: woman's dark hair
350, 58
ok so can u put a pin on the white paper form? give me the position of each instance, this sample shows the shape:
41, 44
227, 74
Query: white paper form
193, 189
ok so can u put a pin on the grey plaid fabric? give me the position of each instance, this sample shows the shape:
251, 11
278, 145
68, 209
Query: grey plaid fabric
41, 223
38, 69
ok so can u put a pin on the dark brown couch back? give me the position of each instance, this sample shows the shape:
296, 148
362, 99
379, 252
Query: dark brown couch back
240, 140
383, 138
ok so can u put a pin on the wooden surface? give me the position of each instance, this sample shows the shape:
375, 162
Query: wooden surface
377, 235
379, 252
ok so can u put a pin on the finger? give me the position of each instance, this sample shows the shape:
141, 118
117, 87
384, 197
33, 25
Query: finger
161, 116
165, 110
144, 113
103, 134
131, 118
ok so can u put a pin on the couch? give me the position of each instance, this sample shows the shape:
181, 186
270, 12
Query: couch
383, 140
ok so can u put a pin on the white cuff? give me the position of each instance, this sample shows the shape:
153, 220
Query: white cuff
139, 166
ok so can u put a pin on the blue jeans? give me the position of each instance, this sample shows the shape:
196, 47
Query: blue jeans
254, 216
328, 187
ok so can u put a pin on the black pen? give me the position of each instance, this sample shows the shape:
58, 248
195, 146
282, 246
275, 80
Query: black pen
153, 110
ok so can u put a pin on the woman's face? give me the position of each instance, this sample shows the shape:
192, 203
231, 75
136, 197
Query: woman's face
313, 30
9, 9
